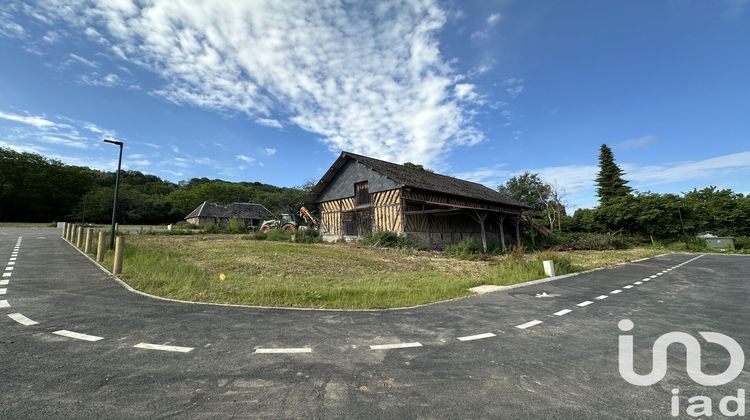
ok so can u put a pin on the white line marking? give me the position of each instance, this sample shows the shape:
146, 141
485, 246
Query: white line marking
4, 282
3, 291
8, 268
562, 312
12, 259
22, 319
476, 337
659, 274
614, 292
646, 279
652, 277
148, 346
4, 304
630, 286
529, 324
7, 274
394, 346
11, 263
287, 350
586, 303
601, 297
638, 282
78, 336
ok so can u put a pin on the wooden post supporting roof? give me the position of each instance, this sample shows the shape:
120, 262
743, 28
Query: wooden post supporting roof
502, 231
518, 230
480, 217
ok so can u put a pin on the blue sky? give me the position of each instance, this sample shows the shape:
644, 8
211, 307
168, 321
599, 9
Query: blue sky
272, 91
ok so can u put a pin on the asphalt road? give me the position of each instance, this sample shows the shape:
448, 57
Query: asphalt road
94, 352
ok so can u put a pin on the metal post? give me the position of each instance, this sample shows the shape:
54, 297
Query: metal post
100, 247
117, 189
117, 265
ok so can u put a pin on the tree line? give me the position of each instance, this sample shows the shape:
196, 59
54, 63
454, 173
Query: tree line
721, 212
36, 189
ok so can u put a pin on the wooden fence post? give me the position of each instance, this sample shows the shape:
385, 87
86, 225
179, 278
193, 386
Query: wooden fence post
88, 241
79, 237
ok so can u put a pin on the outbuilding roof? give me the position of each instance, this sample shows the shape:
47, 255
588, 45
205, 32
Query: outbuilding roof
419, 179
225, 211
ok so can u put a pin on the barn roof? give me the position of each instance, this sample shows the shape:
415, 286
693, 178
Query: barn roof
419, 179
238, 210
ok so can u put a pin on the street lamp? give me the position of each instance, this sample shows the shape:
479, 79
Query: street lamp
117, 189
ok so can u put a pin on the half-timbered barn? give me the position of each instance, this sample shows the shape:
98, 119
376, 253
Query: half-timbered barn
359, 195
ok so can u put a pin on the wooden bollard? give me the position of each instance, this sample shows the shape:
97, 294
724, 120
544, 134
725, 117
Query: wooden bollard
70, 229
89, 240
65, 229
100, 244
79, 236
119, 245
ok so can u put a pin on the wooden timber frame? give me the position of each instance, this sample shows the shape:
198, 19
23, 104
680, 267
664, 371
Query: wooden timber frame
427, 216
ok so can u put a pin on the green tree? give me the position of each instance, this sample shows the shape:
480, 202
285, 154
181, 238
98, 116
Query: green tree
609, 181
544, 199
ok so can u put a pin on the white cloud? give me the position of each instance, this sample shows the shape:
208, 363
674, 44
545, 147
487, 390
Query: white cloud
490, 22
94, 79
33, 120
269, 122
174, 148
269, 151
244, 158
83, 61
9, 28
369, 78
513, 86
636, 142
493, 19
21, 147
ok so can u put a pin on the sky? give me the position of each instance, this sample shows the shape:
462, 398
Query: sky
273, 91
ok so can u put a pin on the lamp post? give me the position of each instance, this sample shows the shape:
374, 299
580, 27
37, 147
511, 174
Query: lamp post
117, 189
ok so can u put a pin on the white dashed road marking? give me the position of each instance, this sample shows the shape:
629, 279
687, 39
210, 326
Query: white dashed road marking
286, 350
601, 297
476, 337
394, 346
4, 282
630, 286
529, 324
653, 277
22, 319
161, 347
78, 336
586, 303
8, 268
11, 263
6, 274
614, 292
3, 291
638, 282
4, 304
563, 312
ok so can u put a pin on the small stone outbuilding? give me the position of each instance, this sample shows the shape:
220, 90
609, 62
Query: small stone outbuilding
251, 214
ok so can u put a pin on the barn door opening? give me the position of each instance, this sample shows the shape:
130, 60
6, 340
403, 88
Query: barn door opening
358, 222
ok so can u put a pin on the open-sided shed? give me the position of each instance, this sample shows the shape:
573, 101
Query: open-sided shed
360, 194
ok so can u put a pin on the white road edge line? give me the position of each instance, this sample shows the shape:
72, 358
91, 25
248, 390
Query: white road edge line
652, 277
148, 346
601, 297
476, 337
614, 292
562, 312
638, 282
4, 282
528, 324
22, 319
6, 274
630, 286
286, 350
77, 336
586, 303
4, 304
394, 346
3, 291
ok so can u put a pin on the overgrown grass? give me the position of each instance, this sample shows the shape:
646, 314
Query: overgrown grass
326, 276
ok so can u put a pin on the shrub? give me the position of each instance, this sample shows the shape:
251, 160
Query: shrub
212, 228
308, 236
235, 225
279, 235
468, 248
591, 241
386, 239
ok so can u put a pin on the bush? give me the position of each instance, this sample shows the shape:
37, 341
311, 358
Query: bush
590, 241
468, 248
235, 225
386, 239
308, 236
279, 235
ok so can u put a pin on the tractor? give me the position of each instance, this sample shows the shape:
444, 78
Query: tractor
291, 222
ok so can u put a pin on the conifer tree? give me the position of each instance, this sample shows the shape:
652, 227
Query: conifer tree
610, 183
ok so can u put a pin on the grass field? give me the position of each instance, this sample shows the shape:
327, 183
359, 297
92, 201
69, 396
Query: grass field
228, 269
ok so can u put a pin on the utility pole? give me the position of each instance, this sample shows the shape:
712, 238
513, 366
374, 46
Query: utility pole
117, 189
